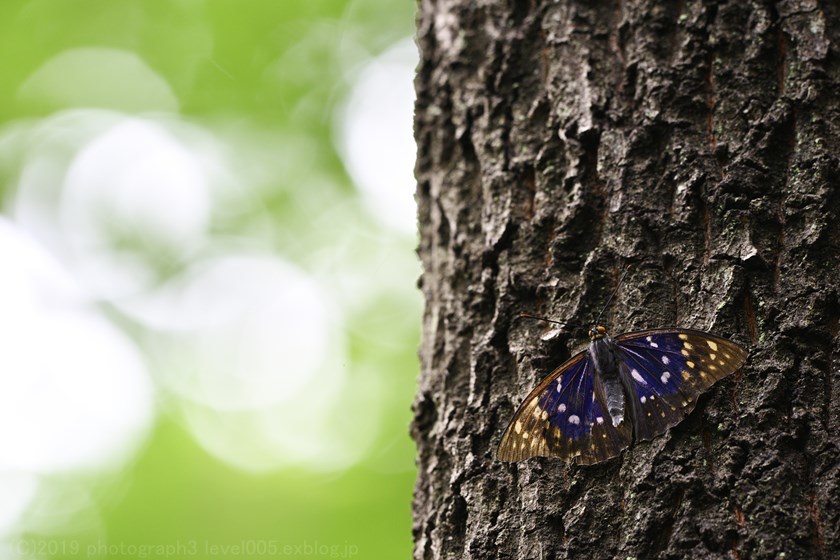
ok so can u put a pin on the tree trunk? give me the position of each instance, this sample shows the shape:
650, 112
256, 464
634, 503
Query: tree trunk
558, 142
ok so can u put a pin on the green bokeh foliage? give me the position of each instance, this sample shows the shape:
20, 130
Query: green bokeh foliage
282, 66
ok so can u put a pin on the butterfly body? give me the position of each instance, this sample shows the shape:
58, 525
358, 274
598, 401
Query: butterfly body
631, 387
607, 386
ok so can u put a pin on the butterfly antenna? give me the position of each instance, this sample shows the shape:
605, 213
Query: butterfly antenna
537, 318
615, 291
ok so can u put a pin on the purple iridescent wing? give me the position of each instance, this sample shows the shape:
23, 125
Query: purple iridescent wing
563, 418
669, 369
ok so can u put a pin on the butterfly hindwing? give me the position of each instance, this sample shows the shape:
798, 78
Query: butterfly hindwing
562, 417
669, 369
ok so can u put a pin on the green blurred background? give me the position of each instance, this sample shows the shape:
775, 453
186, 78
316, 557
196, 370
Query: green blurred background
208, 289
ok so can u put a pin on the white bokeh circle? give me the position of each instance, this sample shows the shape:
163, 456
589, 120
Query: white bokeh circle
375, 135
239, 331
118, 198
74, 391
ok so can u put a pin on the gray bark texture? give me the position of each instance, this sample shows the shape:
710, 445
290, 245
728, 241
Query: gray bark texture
559, 141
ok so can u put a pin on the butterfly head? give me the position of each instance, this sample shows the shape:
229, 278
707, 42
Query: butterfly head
597, 333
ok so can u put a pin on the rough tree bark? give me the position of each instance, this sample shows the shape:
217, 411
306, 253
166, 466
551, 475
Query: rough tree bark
559, 141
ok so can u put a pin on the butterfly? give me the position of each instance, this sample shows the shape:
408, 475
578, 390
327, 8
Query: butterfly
631, 387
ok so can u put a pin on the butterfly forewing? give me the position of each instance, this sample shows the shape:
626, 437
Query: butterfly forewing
562, 418
669, 369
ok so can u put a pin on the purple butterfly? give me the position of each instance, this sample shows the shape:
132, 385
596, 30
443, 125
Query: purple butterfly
634, 386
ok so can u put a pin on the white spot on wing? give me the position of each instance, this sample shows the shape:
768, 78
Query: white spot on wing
600, 420
665, 377
574, 419
651, 342
559, 386
643, 399
666, 360
637, 377
561, 408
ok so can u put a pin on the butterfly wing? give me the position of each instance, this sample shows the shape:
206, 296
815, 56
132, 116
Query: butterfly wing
669, 369
563, 418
